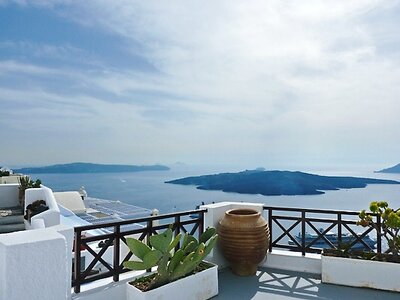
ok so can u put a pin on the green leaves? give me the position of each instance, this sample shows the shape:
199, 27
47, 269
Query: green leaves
134, 265
189, 243
149, 260
175, 260
390, 223
137, 247
25, 182
393, 220
174, 242
373, 207
210, 232
210, 245
171, 265
383, 204
161, 241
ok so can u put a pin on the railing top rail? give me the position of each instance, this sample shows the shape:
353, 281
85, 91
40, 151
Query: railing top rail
138, 220
313, 210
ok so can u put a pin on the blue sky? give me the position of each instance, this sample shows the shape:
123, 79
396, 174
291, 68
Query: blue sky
279, 84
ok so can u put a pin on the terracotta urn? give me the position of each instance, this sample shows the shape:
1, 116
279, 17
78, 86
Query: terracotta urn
243, 236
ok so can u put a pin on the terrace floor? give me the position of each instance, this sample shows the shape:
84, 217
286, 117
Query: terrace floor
278, 284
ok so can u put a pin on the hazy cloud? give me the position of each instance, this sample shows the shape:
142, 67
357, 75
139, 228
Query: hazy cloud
259, 83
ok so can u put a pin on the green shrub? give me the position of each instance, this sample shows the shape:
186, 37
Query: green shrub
390, 224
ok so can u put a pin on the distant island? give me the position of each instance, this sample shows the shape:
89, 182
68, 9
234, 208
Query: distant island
394, 169
276, 183
80, 167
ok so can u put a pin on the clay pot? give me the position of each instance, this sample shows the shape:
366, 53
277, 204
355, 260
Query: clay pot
243, 236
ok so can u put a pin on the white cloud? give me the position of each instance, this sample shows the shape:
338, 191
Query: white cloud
289, 79
10, 66
40, 3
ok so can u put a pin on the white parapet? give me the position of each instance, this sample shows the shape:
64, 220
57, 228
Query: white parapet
9, 195
293, 261
361, 273
50, 217
36, 264
10, 179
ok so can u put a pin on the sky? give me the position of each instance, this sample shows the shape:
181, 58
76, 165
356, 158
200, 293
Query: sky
277, 84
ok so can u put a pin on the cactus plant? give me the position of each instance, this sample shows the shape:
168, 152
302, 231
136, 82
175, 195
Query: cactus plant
171, 264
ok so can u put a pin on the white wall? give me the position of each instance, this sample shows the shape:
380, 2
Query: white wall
50, 217
9, 195
293, 261
68, 234
36, 264
112, 290
10, 179
2, 272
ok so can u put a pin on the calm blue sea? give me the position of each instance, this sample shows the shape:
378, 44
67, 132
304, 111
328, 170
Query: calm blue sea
147, 189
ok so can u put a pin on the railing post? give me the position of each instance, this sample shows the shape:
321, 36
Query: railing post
378, 234
303, 232
201, 223
339, 219
117, 231
177, 229
77, 261
155, 212
149, 232
270, 229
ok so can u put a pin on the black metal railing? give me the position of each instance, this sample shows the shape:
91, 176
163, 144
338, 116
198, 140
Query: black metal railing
99, 244
283, 221
286, 224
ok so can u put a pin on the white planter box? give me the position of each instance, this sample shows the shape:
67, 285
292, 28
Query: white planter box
361, 273
200, 286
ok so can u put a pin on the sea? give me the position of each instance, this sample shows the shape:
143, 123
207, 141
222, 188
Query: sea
149, 190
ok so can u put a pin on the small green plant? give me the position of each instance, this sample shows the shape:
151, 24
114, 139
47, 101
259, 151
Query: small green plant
25, 182
171, 264
390, 224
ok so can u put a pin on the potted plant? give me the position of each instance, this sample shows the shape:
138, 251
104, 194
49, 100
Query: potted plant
366, 269
179, 272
